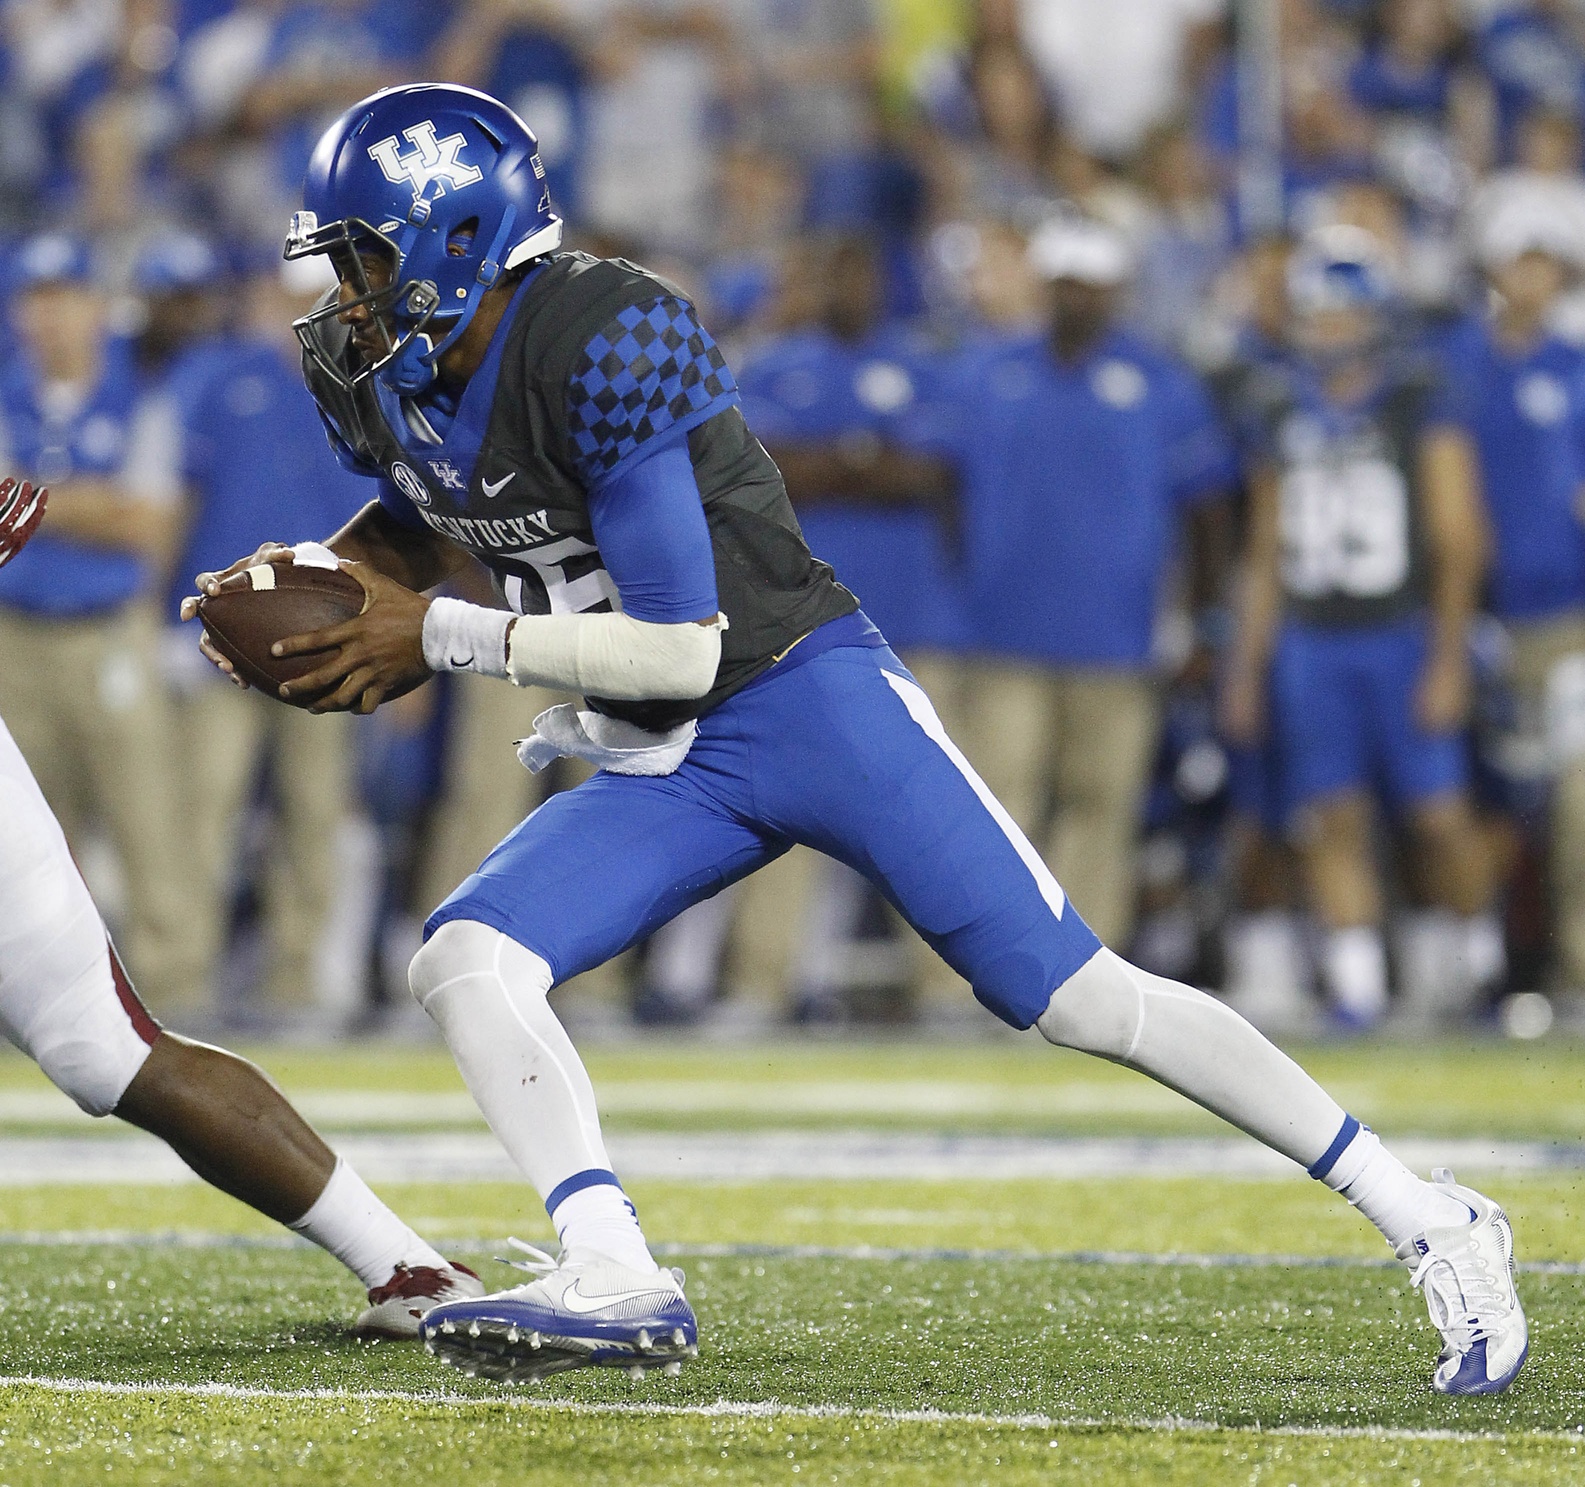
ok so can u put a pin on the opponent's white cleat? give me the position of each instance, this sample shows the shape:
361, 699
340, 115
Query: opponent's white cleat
1467, 1275
584, 1309
396, 1308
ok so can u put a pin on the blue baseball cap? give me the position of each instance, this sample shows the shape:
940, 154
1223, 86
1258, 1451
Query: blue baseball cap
174, 260
51, 258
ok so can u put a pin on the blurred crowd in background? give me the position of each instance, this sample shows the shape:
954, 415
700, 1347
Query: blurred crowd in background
1195, 399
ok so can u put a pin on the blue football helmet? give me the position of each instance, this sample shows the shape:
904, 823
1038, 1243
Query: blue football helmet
442, 188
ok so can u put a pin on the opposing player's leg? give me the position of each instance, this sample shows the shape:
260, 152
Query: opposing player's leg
870, 775
590, 872
66, 1002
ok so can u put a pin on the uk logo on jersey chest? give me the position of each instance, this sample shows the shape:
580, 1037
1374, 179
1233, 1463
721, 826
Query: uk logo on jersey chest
450, 477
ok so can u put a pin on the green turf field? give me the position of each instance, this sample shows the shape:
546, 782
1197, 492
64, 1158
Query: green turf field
1106, 1329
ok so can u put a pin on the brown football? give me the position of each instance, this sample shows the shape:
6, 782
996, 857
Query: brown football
266, 603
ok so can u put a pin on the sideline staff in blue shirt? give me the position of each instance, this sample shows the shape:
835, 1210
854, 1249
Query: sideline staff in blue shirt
1519, 392
1082, 451
78, 637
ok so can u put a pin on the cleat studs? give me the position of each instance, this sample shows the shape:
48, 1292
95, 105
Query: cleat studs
671, 1370
644, 1340
473, 1329
534, 1340
679, 1338
448, 1326
635, 1371
511, 1334
429, 1346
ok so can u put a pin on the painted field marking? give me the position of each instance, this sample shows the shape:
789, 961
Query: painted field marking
775, 1410
357, 1109
758, 1156
200, 1240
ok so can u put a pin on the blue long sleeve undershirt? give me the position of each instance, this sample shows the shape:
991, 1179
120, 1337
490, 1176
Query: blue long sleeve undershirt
650, 527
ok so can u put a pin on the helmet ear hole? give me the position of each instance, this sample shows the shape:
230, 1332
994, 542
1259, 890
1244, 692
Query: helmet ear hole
460, 239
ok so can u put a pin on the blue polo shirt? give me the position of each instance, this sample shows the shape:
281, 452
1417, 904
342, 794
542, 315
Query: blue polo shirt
57, 576
811, 387
1076, 477
1526, 414
254, 458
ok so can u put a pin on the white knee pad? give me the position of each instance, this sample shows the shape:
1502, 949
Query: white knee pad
462, 950
1100, 1008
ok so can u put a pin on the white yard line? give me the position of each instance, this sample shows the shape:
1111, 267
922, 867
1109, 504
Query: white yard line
772, 1410
121, 1156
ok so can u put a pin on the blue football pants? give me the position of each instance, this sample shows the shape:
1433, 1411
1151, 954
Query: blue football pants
843, 753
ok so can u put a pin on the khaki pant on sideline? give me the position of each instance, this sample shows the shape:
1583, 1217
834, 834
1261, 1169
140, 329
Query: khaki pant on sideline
225, 734
1072, 748
1537, 648
85, 703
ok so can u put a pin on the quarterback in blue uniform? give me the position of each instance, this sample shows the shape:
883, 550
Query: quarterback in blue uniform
568, 421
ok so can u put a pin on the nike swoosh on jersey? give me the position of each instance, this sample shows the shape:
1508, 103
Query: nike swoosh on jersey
580, 1305
499, 486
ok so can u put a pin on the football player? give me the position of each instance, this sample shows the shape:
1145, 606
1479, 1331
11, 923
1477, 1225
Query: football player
568, 420
66, 1002
1366, 546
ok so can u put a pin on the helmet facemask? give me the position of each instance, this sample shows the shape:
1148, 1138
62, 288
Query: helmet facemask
368, 262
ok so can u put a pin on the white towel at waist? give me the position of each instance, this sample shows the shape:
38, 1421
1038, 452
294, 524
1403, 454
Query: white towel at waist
607, 743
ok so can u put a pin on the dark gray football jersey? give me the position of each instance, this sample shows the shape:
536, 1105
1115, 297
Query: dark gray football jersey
1352, 539
600, 357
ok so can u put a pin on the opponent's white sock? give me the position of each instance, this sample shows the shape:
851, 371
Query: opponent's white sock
1355, 963
1393, 1198
360, 1231
488, 996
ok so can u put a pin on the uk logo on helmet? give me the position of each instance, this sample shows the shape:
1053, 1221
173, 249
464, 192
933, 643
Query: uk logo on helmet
431, 161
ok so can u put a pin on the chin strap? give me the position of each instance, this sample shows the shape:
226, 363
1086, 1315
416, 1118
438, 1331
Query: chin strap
412, 368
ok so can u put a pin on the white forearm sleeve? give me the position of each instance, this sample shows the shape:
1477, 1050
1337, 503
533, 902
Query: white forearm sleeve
614, 655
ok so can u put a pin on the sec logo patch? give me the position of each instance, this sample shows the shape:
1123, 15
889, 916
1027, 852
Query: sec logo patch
408, 482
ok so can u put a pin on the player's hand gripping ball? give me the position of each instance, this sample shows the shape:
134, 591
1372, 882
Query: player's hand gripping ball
252, 609
21, 511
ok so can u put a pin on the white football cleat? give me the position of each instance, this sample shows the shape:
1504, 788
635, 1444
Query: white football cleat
396, 1308
1467, 1275
585, 1309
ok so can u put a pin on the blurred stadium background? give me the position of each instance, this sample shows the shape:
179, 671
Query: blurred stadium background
848, 188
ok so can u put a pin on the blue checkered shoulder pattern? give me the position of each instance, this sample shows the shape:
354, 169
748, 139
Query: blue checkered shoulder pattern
650, 368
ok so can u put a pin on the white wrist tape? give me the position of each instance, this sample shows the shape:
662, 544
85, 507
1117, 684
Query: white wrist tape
614, 655
466, 637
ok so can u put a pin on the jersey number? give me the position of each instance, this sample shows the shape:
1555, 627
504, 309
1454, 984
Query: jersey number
591, 588
1345, 529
